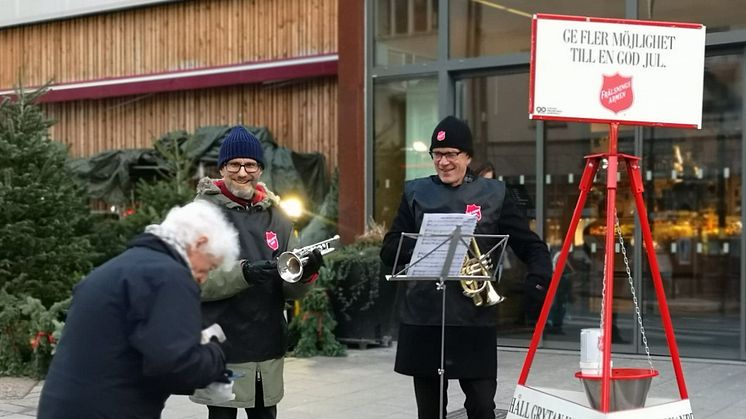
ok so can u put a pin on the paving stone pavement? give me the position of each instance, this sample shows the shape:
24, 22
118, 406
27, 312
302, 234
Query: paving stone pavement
363, 385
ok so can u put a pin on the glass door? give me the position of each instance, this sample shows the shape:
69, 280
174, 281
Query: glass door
693, 181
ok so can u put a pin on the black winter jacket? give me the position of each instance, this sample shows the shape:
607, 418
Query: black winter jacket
132, 338
498, 215
252, 319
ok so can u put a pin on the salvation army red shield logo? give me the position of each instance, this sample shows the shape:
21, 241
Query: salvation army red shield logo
441, 136
271, 238
474, 209
616, 93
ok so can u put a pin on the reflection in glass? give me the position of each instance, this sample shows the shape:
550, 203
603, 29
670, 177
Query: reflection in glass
406, 31
577, 304
495, 107
717, 15
491, 27
693, 194
406, 111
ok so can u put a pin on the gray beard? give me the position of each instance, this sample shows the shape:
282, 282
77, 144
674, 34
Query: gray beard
247, 192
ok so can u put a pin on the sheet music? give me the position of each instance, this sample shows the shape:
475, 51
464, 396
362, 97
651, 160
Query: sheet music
440, 225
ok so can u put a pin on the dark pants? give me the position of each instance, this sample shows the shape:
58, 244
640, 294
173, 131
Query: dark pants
259, 411
480, 397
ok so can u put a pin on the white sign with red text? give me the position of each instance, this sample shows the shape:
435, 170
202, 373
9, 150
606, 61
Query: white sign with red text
530, 403
616, 70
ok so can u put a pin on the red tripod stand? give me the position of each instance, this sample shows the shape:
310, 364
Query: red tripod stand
633, 169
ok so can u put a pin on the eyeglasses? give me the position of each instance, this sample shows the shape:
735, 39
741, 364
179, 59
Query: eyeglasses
450, 156
235, 167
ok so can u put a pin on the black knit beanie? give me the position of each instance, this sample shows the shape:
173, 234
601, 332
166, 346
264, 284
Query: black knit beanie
452, 132
240, 143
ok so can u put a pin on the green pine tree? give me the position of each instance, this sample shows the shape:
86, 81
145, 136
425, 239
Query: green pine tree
44, 218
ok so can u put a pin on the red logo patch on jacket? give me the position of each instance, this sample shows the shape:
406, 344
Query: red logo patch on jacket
272, 241
474, 209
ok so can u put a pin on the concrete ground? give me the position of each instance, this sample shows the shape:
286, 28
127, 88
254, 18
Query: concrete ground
364, 386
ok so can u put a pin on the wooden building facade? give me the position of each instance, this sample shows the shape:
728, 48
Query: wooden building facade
120, 79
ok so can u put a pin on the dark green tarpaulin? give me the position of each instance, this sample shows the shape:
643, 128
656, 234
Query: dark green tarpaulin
110, 176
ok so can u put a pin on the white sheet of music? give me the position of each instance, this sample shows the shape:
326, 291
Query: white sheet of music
433, 231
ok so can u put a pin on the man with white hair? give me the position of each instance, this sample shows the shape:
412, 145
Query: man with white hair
132, 335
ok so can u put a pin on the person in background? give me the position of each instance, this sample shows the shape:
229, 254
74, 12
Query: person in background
248, 302
132, 335
470, 330
486, 170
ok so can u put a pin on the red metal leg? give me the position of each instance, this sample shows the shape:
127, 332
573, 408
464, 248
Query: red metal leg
611, 185
586, 181
633, 168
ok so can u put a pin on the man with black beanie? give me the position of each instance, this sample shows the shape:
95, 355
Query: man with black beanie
470, 330
248, 302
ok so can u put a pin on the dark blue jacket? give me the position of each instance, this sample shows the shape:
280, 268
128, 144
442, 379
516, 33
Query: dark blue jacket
132, 338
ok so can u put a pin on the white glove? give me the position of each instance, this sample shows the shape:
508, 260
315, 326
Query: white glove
216, 392
212, 331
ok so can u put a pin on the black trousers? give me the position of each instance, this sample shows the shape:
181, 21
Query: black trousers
259, 411
480, 397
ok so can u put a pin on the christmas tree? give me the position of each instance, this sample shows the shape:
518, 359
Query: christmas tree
44, 217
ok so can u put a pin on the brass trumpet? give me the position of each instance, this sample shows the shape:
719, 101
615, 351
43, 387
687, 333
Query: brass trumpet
290, 263
483, 294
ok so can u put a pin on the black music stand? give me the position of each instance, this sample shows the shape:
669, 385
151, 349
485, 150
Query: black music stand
452, 240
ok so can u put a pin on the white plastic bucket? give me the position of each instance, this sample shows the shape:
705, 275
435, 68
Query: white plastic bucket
590, 352
593, 368
590, 344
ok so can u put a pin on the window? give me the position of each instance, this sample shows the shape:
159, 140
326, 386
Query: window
717, 15
491, 27
406, 31
406, 111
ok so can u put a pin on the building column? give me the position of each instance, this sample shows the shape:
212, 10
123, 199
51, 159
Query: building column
350, 118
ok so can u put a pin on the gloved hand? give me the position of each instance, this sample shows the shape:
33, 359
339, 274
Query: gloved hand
313, 264
534, 294
259, 270
536, 287
225, 346
225, 377
219, 391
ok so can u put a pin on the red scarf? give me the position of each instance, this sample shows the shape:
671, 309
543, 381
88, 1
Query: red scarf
259, 194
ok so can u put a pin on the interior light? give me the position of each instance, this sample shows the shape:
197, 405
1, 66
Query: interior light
419, 146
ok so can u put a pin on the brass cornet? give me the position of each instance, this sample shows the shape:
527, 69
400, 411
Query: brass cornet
290, 264
483, 294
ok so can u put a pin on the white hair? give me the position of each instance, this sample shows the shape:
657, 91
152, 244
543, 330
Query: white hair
201, 218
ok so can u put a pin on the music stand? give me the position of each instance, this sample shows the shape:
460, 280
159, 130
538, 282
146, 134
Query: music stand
452, 240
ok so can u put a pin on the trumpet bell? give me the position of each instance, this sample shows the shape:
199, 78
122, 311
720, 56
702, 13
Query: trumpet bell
483, 295
290, 264
491, 297
290, 267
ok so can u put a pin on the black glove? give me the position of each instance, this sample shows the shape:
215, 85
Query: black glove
537, 287
225, 377
260, 270
313, 264
534, 294
224, 346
